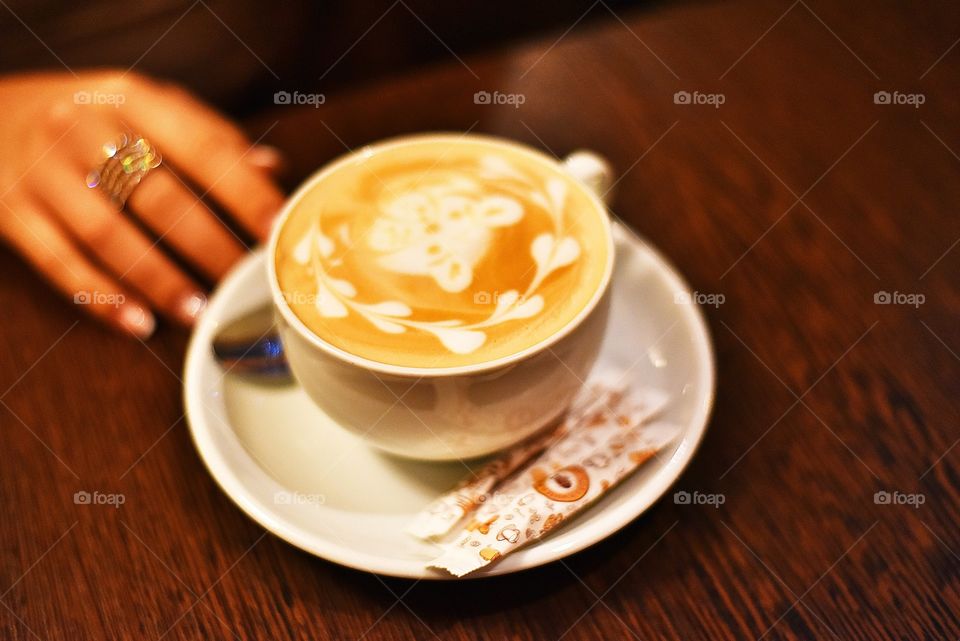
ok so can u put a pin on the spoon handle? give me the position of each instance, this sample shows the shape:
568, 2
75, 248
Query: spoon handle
250, 344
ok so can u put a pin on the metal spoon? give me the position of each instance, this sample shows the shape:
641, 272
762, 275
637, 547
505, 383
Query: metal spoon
250, 345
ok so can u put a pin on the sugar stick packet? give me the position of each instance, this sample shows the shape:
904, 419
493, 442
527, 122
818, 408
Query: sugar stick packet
605, 437
622, 413
446, 511
552, 497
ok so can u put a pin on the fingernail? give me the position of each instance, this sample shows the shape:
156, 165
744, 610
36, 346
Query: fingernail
265, 157
138, 320
191, 307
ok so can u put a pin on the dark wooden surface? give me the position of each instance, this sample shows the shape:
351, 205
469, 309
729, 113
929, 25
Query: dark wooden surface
798, 199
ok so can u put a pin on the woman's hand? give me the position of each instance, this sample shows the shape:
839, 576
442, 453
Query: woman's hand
52, 131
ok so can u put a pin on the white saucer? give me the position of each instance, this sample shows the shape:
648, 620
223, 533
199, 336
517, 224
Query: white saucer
299, 475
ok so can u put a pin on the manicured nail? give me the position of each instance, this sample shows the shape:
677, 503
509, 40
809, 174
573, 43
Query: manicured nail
138, 320
191, 307
265, 157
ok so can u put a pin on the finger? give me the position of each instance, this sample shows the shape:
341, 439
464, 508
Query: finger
53, 253
120, 246
265, 157
209, 150
187, 225
167, 206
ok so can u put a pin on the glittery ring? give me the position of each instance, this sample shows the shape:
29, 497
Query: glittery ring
126, 161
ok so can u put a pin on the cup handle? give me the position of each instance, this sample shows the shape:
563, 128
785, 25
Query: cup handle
593, 170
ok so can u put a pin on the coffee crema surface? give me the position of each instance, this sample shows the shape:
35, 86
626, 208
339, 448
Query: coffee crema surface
441, 252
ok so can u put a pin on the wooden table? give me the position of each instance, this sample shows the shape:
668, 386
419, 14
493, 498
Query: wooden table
798, 199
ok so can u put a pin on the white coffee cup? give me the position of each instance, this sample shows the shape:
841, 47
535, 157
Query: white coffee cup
450, 412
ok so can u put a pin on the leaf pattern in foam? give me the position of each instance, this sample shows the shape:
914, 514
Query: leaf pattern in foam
527, 309
385, 325
447, 323
542, 248
567, 251
539, 200
550, 255
557, 190
504, 302
301, 251
328, 304
508, 309
324, 244
344, 287
390, 308
458, 341
497, 167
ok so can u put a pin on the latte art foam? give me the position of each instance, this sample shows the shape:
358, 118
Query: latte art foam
440, 253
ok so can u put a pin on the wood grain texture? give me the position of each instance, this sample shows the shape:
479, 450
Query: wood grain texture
798, 199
